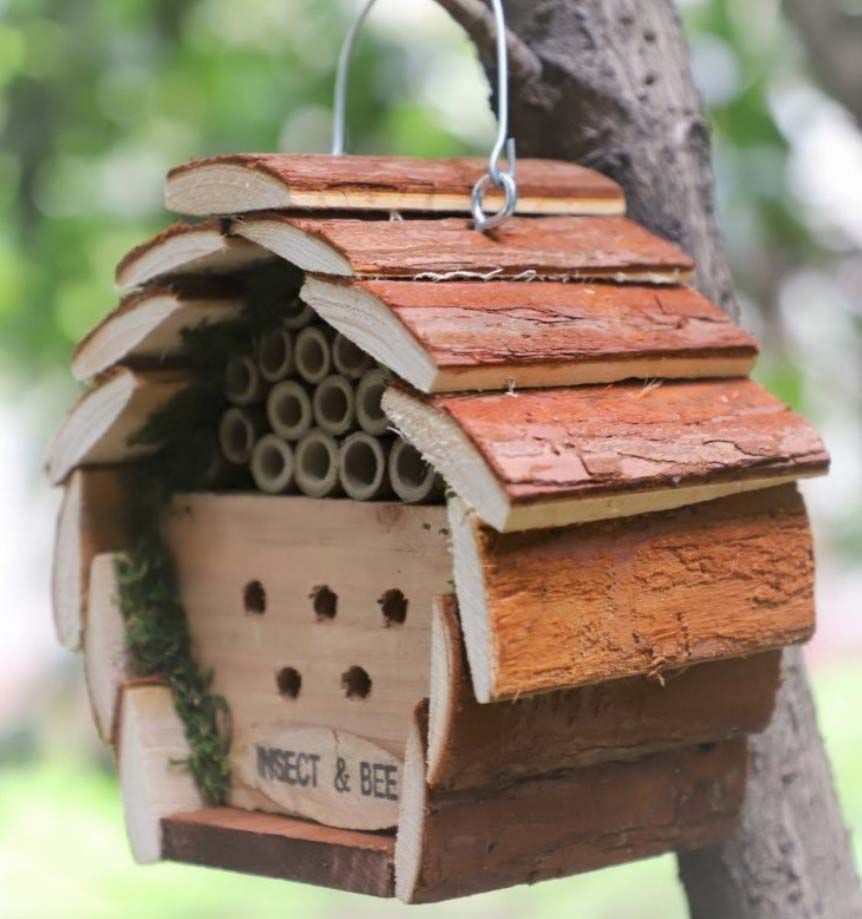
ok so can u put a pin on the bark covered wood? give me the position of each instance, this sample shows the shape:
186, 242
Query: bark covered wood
611, 87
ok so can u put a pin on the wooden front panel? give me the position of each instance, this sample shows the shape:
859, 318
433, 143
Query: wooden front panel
287, 601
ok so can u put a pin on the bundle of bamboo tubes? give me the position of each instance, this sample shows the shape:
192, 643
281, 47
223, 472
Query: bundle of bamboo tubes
305, 415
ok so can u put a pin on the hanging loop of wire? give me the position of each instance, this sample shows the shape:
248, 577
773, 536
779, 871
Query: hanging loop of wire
502, 179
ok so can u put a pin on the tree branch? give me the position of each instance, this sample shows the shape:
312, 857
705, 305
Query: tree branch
833, 38
478, 22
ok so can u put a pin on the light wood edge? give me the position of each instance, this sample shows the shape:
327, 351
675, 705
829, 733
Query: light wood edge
470, 588
108, 413
124, 332
447, 677
229, 188
413, 807
69, 580
375, 327
106, 662
446, 447
372, 326
150, 735
201, 250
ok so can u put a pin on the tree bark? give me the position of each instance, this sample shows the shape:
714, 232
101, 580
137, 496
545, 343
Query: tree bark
610, 86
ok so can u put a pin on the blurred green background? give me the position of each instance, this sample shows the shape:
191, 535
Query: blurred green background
99, 97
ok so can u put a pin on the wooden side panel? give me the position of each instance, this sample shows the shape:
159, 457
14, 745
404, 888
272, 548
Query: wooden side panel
281, 847
244, 182
472, 745
554, 825
106, 660
554, 608
151, 743
523, 248
93, 518
285, 596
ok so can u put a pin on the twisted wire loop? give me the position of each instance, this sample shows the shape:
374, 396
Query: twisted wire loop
502, 179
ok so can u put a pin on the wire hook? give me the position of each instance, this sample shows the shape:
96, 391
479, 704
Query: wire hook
503, 179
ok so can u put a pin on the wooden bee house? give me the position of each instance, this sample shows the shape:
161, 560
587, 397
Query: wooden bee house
551, 669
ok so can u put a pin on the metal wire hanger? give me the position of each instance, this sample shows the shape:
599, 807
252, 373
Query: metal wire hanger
503, 179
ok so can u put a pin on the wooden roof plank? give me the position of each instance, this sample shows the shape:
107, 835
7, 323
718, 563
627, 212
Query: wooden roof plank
245, 182
459, 335
540, 458
448, 248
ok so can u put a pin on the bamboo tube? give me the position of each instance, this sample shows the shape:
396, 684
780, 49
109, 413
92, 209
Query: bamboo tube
413, 480
312, 354
334, 404
289, 410
317, 464
239, 431
272, 465
243, 384
362, 467
369, 393
275, 355
297, 315
349, 359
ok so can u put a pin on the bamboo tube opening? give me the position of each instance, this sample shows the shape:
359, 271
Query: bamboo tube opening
297, 315
243, 384
369, 395
289, 410
272, 465
239, 430
317, 464
349, 359
275, 355
313, 354
413, 479
335, 405
362, 467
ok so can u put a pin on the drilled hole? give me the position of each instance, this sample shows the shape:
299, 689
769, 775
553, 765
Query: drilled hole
254, 597
394, 606
706, 747
324, 601
289, 682
356, 683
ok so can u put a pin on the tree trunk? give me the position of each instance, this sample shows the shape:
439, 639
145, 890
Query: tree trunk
608, 83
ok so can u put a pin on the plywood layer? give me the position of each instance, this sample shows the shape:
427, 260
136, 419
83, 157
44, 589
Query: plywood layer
611, 248
548, 609
452, 336
236, 183
539, 458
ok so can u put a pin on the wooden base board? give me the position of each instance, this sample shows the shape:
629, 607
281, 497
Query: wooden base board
282, 847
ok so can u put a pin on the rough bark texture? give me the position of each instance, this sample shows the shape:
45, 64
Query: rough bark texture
465, 325
547, 247
472, 745
615, 92
545, 444
601, 601
564, 822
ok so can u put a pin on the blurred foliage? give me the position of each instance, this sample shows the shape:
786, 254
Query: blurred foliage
98, 98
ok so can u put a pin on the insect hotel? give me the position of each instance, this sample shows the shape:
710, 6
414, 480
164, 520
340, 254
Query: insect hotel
412, 560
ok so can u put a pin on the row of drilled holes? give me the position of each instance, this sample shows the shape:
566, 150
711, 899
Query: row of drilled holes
324, 602
355, 682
